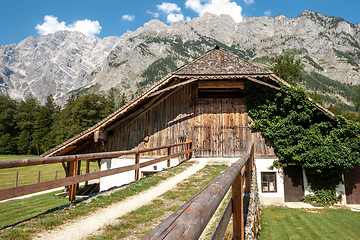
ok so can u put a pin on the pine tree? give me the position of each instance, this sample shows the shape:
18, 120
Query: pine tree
8, 131
287, 68
25, 118
43, 124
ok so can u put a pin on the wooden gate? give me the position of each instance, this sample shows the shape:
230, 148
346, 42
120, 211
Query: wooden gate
293, 183
221, 127
352, 186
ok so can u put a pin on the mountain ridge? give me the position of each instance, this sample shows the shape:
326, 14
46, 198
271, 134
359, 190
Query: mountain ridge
328, 46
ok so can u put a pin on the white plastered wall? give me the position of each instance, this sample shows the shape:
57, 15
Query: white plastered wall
129, 176
263, 165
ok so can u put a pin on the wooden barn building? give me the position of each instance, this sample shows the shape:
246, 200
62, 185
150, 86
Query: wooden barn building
203, 101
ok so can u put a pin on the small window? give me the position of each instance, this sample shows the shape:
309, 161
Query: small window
268, 182
145, 174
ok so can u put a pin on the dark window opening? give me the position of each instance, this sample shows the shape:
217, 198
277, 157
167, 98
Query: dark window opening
220, 93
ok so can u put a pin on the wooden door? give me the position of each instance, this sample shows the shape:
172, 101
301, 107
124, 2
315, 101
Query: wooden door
352, 186
220, 128
293, 183
206, 128
235, 130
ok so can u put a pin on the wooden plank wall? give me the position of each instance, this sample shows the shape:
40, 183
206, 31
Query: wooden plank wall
167, 122
218, 127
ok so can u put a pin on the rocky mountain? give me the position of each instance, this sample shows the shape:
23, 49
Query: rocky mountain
328, 46
51, 64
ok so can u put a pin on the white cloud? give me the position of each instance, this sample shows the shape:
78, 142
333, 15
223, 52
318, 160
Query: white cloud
267, 13
127, 17
216, 7
168, 7
175, 17
87, 27
248, 2
172, 10
51, 25
154, 14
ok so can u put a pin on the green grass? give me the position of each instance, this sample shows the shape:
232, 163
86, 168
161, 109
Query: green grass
286, 223
16, 210
138, 223
51, 220
29, 175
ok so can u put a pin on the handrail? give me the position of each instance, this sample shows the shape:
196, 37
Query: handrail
85, 156
189, 221
74, 179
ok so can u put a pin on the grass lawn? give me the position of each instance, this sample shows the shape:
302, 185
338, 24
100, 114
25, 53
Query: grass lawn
286, 223
16, 210
26, 208
29, 175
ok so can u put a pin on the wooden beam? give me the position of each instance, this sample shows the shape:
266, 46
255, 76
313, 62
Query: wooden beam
72, 187
222, 84
220, 229
66, 150
248, 172
100, 135
264, 84
85, 156
171, 87
238, 209
87, 170
137, 161
169, 154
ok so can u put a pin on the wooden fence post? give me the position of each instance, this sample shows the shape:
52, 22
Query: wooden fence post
169, 154
16, 178
39, 176
248, 170
87, 170
56, 172
137, 161
72, 188
238, 209
188, 148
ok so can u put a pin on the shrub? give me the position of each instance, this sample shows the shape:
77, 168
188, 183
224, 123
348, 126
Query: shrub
322, 198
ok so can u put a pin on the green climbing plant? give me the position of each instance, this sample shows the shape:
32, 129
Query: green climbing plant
327, 146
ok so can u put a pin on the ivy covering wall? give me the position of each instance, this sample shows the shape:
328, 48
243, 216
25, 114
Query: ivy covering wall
301, 134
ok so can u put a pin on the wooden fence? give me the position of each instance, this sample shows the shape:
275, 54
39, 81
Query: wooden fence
74, 179
189, 221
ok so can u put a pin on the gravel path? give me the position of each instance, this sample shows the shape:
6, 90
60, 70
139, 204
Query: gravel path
90, 224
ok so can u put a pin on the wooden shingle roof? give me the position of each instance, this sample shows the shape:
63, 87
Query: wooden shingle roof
219, 62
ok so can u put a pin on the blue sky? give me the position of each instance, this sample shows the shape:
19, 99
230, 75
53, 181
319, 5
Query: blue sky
20, 19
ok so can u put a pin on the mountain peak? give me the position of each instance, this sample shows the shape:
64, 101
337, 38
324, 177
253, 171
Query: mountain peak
70, 61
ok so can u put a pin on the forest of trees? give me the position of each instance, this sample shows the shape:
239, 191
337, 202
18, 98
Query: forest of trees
27, 127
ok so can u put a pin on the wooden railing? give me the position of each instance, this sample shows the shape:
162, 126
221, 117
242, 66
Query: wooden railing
189, 221
74, 179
